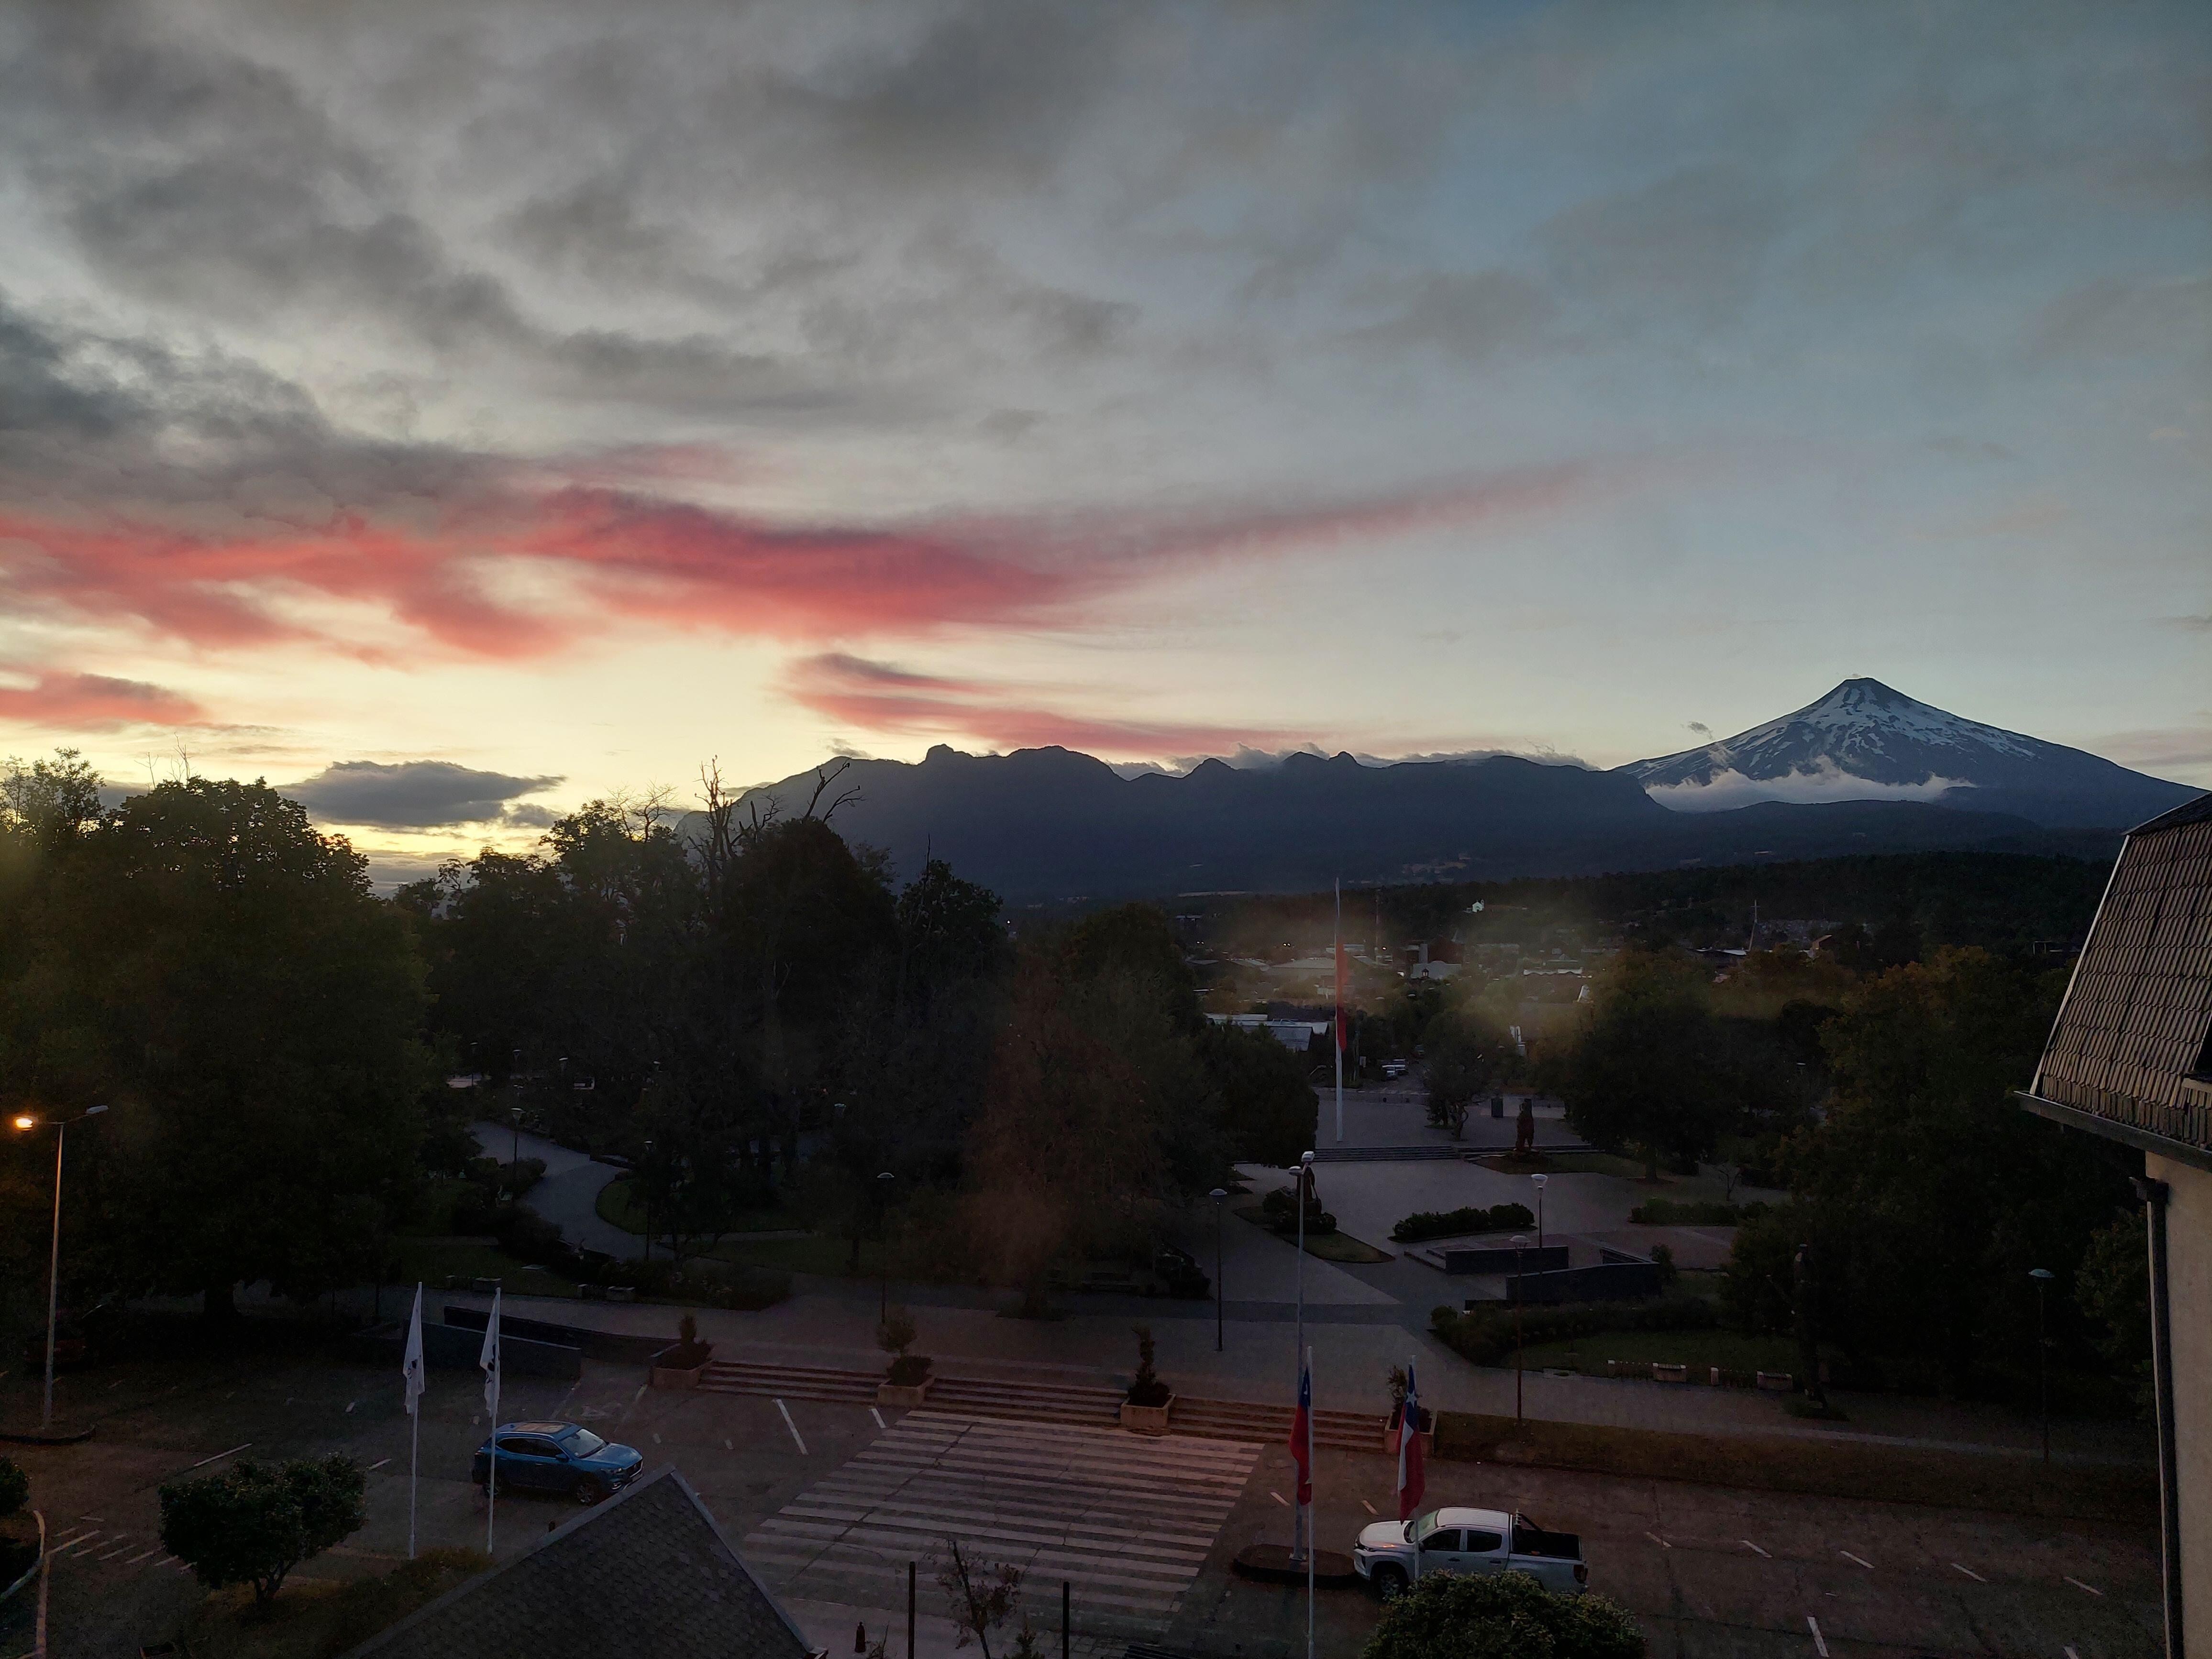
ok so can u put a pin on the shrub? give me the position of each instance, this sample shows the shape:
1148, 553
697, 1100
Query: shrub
474, 1212
1451, 1223
1280, 1210
1667, 1212
1508, 1616
253, 1525
1485, 1336
15, 1487
528, 1237
1146, 1388
688, 1352
909, 1370
896, 1333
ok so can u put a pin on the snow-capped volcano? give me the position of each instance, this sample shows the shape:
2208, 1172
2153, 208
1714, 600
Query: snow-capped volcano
1866, 742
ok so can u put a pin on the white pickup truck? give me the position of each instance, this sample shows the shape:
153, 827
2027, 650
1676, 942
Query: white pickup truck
1391, 1554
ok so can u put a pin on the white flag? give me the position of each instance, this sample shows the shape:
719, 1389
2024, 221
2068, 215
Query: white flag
489, 1361
410, 1368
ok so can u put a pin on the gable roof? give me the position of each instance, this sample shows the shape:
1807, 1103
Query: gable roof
649, 1574
2133, 1035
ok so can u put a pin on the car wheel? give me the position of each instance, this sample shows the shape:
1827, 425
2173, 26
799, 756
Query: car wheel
589, 1490
1390, 1582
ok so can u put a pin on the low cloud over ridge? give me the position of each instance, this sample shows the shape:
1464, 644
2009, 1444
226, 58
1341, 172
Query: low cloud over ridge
419, 795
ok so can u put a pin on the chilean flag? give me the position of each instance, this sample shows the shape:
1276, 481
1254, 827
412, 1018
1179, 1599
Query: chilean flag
1411, 1484
1302, 1434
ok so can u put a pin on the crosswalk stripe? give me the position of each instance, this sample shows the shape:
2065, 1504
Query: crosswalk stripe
1128, 1520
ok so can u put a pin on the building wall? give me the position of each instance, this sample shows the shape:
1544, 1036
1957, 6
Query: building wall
2189, 1268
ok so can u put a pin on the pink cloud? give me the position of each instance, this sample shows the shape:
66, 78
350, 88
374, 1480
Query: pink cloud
95, 702
431, 563
880, 698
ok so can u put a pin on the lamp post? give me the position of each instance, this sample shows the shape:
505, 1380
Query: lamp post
25, 1122
883, 1223
647, 1184
1220, 1195
1305, 1175
514, 1157
1539, 1180
1520, 1241
2042, 1276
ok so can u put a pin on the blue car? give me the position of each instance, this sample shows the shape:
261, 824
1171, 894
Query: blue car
565, 1458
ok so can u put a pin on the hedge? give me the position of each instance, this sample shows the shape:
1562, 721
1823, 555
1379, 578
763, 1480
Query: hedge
1450, 1224
1486, 1336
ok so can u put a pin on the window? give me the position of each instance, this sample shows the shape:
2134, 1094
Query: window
1483, 1543
581, 1442
1445, 1539
519, 1445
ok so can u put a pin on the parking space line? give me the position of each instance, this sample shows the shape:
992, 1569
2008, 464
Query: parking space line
1279, 1499
135, 1559
1972, 1574
793, 1427
1368, 1507
379, 1464
1658, 1540
218, 1457
1819, 1642
1861, 1560
2079, 1585
878, 1416
113, 1553
1754, 1549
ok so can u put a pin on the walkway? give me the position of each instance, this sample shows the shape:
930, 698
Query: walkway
568, 1196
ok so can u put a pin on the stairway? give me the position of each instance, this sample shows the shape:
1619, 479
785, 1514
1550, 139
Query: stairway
1238, 1419
1430, 1153
1037, 1402
790, 1381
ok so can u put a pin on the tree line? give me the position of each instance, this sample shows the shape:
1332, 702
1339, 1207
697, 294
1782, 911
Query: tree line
746, 1006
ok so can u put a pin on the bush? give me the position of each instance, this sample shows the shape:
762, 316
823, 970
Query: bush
909, 1370
1451, 1223
1280, 1210
688, 1353
474, 1212
1507, 1616
1146, 1388
528, 1237
15, 1487
253, 1525
1666, 1213
1486, 1337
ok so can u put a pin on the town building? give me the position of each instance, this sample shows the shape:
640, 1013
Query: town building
2131, 1059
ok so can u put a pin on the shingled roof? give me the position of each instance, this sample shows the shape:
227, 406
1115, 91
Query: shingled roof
2131, 1056
648, 1575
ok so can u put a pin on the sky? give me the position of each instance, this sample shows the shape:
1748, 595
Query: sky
460, 411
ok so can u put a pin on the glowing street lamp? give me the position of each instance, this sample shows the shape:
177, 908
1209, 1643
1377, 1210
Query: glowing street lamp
25, 1122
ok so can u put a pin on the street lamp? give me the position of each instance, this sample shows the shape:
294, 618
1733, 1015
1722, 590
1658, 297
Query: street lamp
515, 1157
647, 1184
883, 1222
1305, 1175
2042, 1276
1520, 1241
25, 1122
1540, 1180
1219, 1195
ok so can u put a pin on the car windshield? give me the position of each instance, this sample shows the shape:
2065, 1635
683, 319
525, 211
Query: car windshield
1417, 1530
581, 1442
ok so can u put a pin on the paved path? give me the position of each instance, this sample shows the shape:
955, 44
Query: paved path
568, 1196
1127, 1520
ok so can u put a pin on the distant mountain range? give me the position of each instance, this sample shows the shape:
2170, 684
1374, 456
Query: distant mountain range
1043, 824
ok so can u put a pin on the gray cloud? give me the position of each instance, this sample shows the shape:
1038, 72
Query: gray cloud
419, 795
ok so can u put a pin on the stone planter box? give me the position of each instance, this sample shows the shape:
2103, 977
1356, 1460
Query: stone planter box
676, 1376
1428, 1435
1777, 1381
904, 1396
620, 1293
1146, 1419
1670, 1373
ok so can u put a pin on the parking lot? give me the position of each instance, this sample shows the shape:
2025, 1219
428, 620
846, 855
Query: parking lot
829, 1496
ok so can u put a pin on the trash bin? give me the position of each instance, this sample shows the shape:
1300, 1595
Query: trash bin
1497, 1105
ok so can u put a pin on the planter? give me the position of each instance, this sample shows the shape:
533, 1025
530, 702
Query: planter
1670, 1373
1146, 1419
1777, 1381
678, 1376
622, 1293
1428, 1435
906, 1396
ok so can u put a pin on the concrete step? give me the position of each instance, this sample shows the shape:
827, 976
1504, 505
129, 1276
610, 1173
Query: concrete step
789, 1382
1039, 1401
1428, 1153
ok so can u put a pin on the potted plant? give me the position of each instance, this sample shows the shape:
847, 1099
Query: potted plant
907, 1382
1426, 1428
681, 1365
1150, 1400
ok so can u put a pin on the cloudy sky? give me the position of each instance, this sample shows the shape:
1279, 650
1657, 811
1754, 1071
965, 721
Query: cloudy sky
565, 395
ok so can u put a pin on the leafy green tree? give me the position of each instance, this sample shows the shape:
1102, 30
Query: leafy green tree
1466, 1055
252, 1524
1269, 1112
1507, 1615
221, 975
1645, 1069
1925, 1193
15, 1487
2113, 1288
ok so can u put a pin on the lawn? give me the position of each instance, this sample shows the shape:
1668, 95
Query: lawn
315, 1618
1329, 1247
431, 1260
1699, 1350
620, 1204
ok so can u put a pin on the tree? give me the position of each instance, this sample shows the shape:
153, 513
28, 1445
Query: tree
1465, 1056
2112, 1288
1269, 1112
252, 1524
223, 975
1645, 1070
15, 1487
1507, 1615
982, 1594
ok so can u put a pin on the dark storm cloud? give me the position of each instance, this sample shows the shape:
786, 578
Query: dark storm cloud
418, 795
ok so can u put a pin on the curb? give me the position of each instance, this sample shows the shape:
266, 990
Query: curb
45, 1436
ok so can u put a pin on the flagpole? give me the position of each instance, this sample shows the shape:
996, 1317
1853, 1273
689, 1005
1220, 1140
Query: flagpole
489, 1361
411, 1368
1298, 1510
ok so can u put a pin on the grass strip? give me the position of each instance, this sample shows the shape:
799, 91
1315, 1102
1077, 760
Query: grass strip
1822, 1468
1329, 1247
